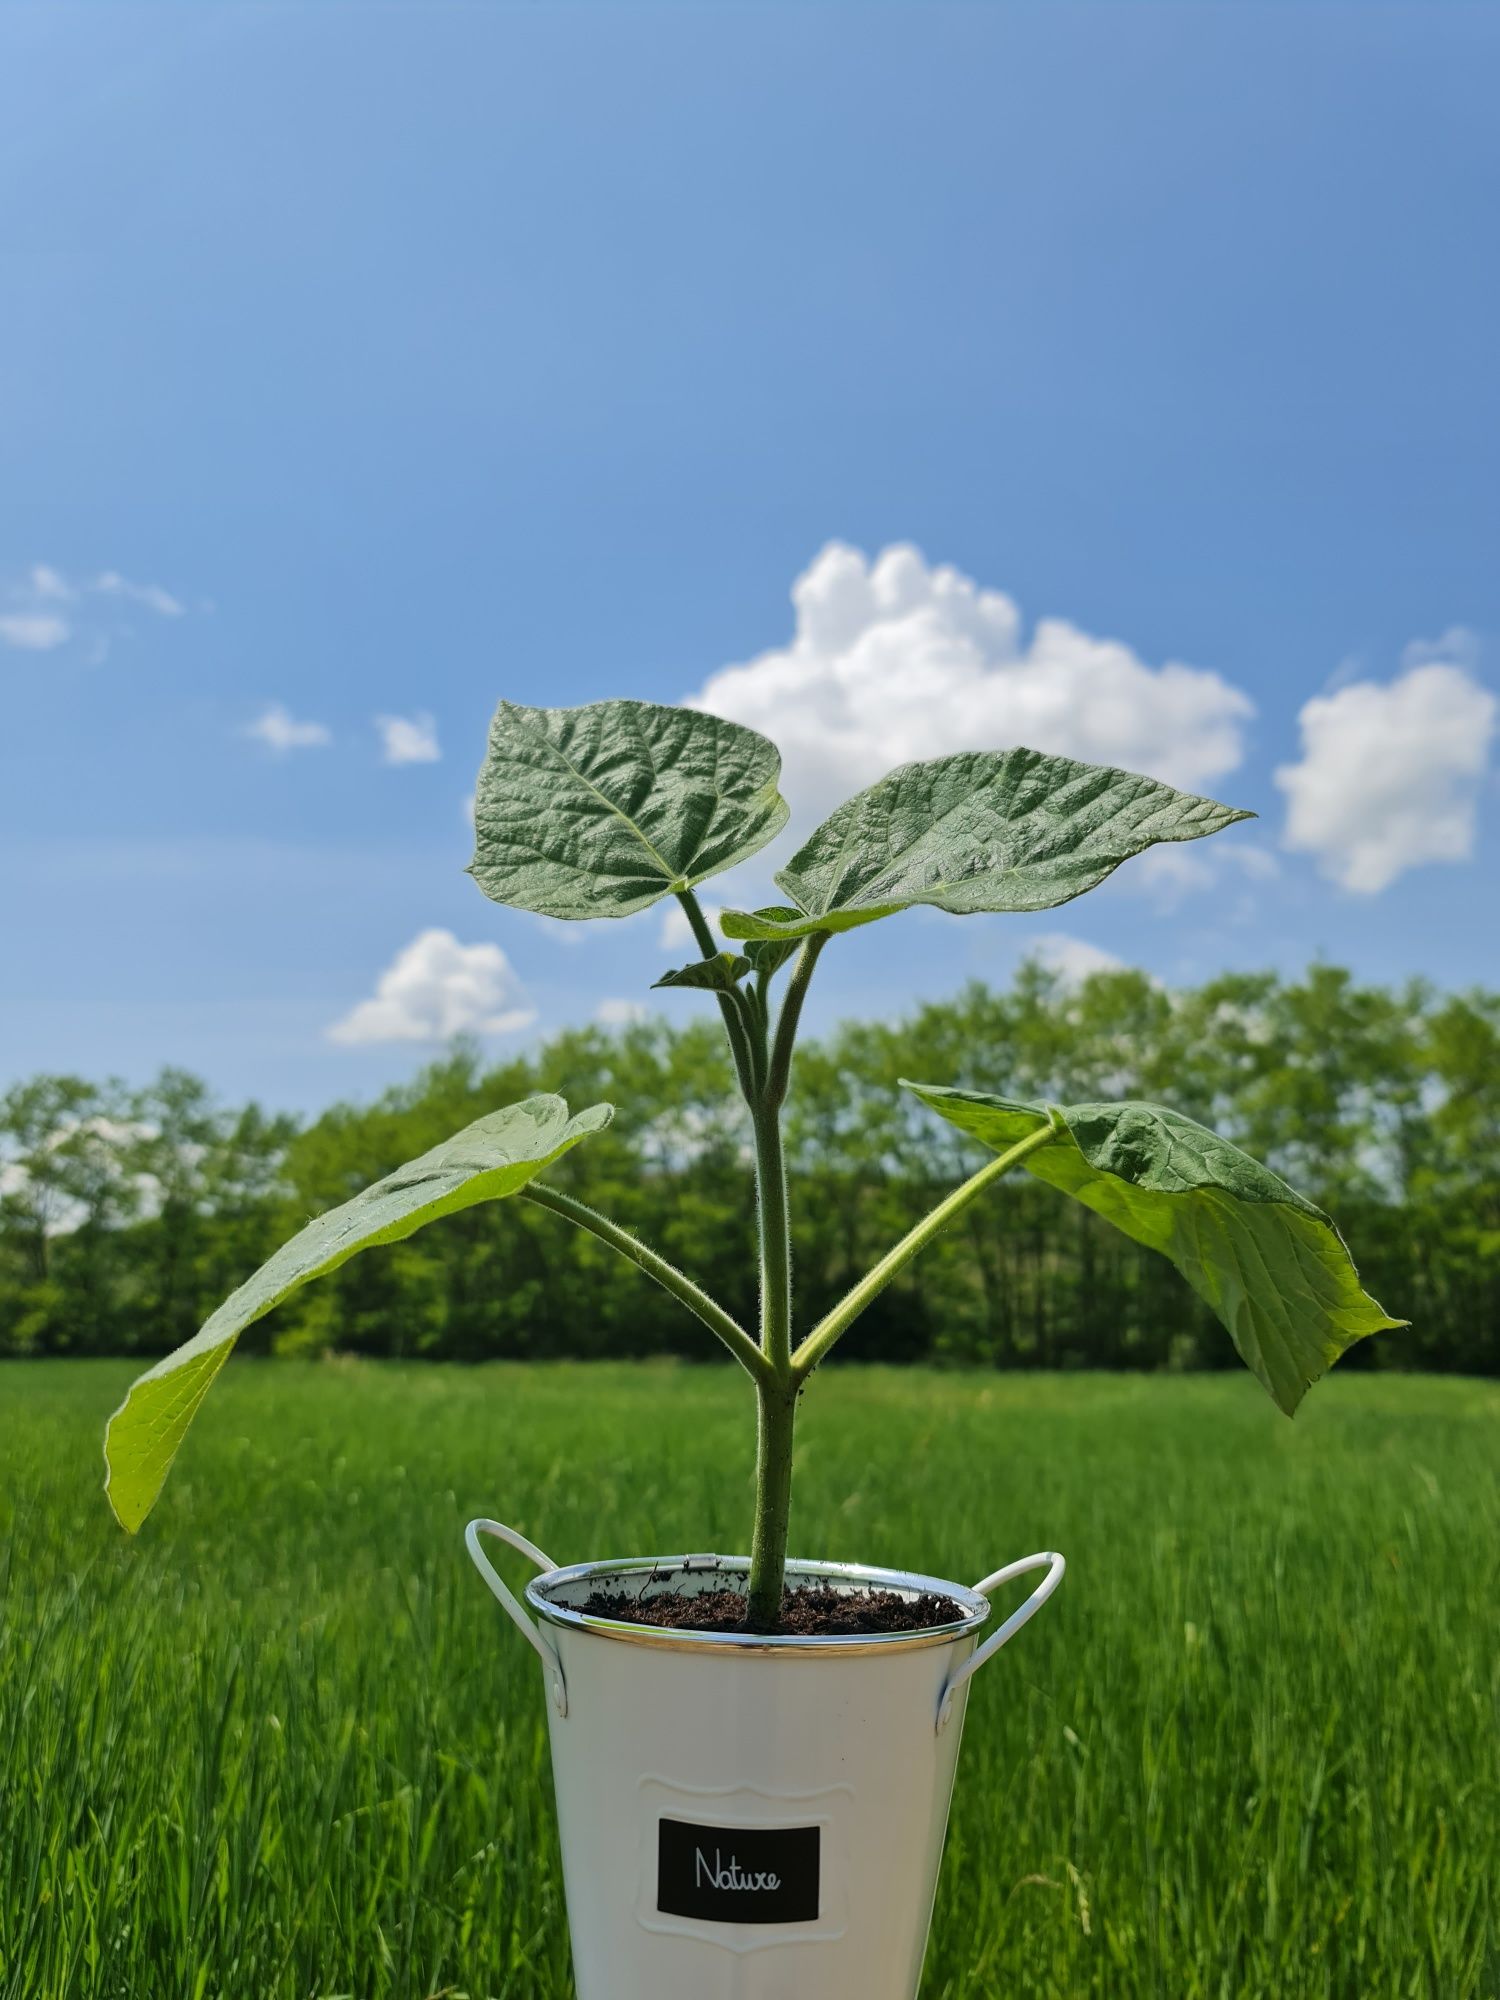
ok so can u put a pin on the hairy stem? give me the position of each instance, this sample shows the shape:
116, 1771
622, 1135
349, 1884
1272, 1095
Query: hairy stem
779, 1070
743, 1042
773, 1504
678, 1283
895, 1260
775, 1243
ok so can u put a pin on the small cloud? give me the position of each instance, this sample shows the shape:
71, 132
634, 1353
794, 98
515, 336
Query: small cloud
1389, 775
436, 988
677, 933
49, 583
110, 583
408, 739
620, 1013
281, 731
1072, 959
468, 808
33, 631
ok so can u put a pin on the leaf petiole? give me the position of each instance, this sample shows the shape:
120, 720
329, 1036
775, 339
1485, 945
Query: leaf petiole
834, 1324
667, 1275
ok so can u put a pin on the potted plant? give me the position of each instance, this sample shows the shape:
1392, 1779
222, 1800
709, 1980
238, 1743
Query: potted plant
753, 1756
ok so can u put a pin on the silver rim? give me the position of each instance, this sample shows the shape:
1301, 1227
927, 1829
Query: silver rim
854, 1575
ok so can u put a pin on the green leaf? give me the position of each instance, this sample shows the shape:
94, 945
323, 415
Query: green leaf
768, 955
601, 810
495, 1156
719, 974
1270, 1264
983, 830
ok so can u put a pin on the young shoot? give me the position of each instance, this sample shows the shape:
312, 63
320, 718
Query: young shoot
600, 811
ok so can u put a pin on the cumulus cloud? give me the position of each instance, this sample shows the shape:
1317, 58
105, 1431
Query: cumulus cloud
33, 631
408, 739
1390, 773
620, 1013
436, 988
1072, 959
676, 933
281, 731
897, 659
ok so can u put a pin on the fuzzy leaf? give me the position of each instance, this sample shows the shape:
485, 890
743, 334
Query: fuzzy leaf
768, 955
983, 830
495, 1156
718, 974
601, 810
1270, 1264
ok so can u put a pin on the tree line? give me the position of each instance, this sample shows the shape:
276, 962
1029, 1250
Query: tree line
126, 1215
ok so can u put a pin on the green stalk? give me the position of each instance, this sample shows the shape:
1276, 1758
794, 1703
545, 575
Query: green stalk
678, 1283
895, 1260
773, 1504
778, 1393
733, 1006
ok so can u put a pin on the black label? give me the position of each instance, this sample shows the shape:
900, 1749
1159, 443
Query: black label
738, 1874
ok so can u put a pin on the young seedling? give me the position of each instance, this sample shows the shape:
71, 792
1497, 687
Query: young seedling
603, 810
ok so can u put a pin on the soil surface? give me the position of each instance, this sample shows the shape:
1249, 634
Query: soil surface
809, 1613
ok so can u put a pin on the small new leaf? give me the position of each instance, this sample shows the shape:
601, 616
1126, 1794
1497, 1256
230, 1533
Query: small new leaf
495, 1156
768, 955
602, 810
719, 974
982, 830
1271, 1265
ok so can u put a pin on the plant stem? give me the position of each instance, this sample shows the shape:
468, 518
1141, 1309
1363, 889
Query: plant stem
849, 1308
773, 1504
733, 1006
678, 1283
779, 1071
775, 1243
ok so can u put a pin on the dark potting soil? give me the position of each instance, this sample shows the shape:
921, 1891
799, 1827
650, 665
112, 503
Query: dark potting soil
810, 1613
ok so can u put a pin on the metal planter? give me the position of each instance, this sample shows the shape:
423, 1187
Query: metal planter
747, 1817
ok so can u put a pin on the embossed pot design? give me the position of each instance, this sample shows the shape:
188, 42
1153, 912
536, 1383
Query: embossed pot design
748, 1817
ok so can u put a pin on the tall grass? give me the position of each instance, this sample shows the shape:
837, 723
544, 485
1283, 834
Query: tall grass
285, 1745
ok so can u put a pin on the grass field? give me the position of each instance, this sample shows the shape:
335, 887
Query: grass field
285, 1745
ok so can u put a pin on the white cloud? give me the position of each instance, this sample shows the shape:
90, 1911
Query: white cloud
1072, 959
35, 623
620, 1013
408, 739
281, 731
111, 584
1167, 874
1389, 774
33, 631
896, 659
676, 932
435, 988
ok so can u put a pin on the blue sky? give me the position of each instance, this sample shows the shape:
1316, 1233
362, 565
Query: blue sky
380, 362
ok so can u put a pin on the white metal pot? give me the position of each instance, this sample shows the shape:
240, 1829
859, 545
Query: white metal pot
750, 1817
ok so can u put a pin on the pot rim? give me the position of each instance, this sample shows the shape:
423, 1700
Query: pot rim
790, 1644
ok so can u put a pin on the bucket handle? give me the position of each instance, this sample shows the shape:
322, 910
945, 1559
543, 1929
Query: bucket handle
498, 1588
1054, 1566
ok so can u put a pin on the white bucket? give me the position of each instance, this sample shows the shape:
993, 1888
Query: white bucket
750, 1817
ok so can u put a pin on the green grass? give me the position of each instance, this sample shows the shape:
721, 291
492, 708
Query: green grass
285, 1745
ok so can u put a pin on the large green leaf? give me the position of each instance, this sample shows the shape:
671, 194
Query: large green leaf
1271, 1265
495, 1156
602, 810
983, 830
